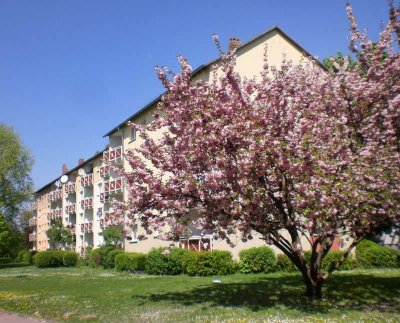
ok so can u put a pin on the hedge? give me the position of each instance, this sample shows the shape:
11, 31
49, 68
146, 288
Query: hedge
165, 261
257, 260
55, 258
25, 256
109, 258
130, 261
5, 260
209, 263
331, 257
283, 263
95, 258
372, 255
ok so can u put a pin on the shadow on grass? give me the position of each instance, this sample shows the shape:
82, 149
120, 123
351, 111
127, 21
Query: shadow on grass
14, 265
360, 292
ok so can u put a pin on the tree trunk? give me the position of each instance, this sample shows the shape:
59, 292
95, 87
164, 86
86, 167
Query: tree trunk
314, 285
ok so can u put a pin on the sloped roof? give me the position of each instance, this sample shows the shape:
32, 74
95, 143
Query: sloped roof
71, 170
203, 67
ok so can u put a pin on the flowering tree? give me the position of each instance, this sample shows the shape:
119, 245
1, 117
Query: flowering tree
298, 154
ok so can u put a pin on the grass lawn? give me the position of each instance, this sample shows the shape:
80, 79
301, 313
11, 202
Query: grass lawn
79, 294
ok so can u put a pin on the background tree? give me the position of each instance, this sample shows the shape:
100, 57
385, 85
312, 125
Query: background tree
15, 166
59, 236
113, 236
300, 154
10, 238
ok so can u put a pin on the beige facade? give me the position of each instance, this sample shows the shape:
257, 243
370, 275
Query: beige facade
87, 220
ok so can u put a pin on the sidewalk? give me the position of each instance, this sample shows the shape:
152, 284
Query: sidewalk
7, 317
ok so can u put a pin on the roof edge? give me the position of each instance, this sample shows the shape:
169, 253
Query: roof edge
204, 66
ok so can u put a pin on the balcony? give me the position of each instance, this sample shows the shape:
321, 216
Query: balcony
32, 206
87, 180
87, 203
70, 209
70, 228
54, 196
54, 214
104, 197
87, 227
113, 186
32, 222
113, 155
105, 221
32, 237
70, 188
105, 171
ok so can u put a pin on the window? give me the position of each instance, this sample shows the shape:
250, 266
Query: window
134, 234
133, 134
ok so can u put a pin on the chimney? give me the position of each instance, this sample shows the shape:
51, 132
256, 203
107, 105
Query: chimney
234, 43
81, 161
64, 169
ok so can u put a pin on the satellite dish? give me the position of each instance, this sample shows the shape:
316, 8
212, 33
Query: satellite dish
64, 179
81, 172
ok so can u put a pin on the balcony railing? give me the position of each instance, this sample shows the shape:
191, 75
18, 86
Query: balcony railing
70, 209
70, 188
87, 227
113, 186
105, 171
104, 197
112, 155
87, 203
54, 196
70, 228
54, 214
105, 220
32, 222
32, 237
32, 206
87, 180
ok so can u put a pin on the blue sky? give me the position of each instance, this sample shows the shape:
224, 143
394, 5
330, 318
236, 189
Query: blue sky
72, 70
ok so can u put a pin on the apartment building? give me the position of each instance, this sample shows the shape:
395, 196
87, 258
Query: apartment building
83, 207
80, 198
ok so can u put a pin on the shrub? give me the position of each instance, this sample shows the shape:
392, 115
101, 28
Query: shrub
95, 258
25, 256
70, 259
283, 263
257, 260
50, 258
20, 255
130, 261
109, 257
165, 261
372, 255
330, 257
5, 260
209, 263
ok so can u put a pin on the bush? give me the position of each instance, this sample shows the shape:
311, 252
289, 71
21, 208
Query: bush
283, 263
372, 255
70, 259
209, 263
257, 260
95, 258
165, 261
109, 257
330, 257
25, 256
5, 260
55, 258
334, 256
130, 261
